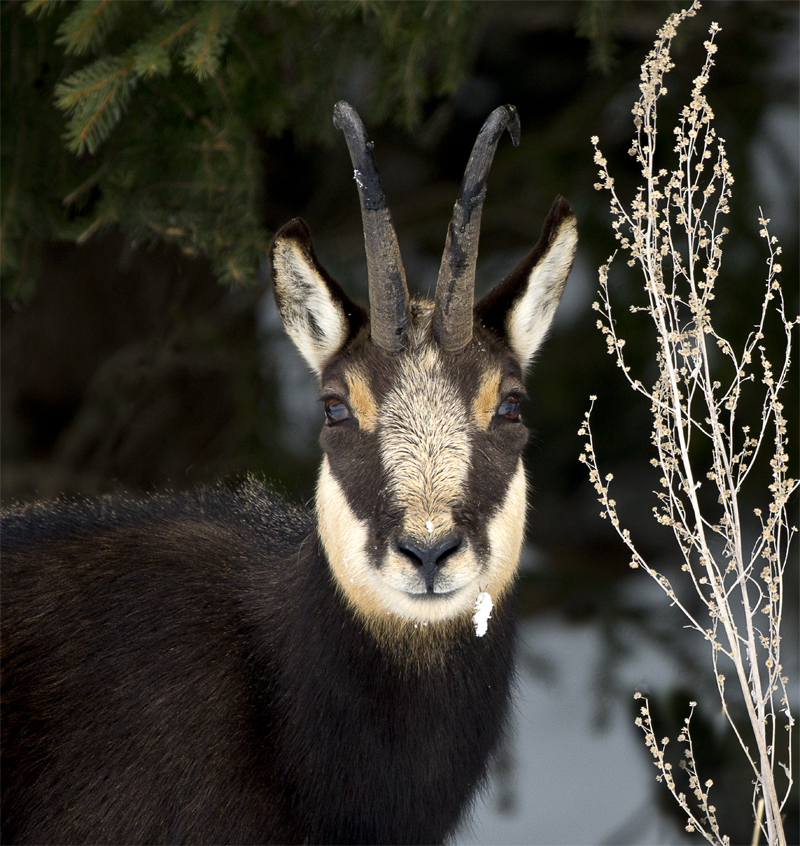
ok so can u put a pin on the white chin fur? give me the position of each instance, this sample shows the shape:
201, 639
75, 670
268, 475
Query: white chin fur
427, 607
395, 589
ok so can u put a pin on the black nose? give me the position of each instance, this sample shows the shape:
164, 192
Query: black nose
429, 558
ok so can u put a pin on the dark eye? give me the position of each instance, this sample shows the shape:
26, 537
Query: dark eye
335, 410
509, 407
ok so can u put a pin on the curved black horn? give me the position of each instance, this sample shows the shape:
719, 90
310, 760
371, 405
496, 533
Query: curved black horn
388, 292
455, 289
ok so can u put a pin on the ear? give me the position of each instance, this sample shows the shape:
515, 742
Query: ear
316, 313
521, 308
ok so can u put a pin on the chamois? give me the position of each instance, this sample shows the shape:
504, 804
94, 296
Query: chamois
222, 667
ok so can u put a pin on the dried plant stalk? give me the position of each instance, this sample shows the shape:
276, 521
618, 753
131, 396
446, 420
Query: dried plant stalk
672, 230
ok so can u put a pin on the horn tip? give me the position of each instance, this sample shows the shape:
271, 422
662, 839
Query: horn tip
513, 124
340, 112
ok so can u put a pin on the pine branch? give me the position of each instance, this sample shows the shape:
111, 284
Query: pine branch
189, 94
150, 60
41, 7
95, 98
84, 29
214, 25
174, 34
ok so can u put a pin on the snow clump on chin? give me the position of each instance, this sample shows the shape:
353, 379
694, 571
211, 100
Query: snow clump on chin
483, 610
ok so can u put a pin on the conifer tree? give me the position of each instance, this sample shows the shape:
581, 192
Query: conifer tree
147, 115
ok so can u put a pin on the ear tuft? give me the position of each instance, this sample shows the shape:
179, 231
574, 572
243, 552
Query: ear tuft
316, 313
522, 306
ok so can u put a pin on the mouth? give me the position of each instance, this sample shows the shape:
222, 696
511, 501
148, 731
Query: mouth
413, 602
433, 596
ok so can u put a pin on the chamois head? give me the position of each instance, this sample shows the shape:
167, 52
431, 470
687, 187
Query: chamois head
421, 495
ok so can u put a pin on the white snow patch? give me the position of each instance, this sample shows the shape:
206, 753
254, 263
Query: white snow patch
483, 610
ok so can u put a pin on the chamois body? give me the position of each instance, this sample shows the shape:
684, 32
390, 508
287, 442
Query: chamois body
193, 676
222, 667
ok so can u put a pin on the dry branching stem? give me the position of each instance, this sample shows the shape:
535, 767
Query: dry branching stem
672, 230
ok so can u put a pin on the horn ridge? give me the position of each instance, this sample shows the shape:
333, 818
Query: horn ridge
455, 288
388, 292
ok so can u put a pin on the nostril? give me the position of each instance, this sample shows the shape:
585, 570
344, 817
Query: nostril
429, 558
434, 554
412, 550
444, 549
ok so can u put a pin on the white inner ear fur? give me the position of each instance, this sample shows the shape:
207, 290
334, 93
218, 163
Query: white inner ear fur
313, 320
530, 317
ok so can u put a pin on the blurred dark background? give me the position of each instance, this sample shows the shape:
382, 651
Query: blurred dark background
128, 367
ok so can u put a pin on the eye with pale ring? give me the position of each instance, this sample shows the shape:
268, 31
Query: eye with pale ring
335, 410
509, 408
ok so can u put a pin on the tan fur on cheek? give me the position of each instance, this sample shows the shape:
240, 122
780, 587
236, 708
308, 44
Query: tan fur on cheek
485, 402
506, 532
362, 400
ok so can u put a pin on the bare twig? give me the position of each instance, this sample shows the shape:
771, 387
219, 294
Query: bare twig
673, 231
